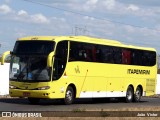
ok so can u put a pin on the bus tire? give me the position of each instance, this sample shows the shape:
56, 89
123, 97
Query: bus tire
137, 95
33, 100
129, 95
69, 96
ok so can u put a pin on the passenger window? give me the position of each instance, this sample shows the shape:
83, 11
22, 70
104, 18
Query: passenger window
126, 56
80, 51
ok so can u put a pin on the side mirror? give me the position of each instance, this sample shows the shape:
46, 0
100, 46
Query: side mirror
4, 56
50, 60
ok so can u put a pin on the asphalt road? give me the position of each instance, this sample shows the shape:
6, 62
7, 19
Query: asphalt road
22, 104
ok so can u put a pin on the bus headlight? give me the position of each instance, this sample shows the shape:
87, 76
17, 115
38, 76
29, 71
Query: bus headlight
12, 87
44, 88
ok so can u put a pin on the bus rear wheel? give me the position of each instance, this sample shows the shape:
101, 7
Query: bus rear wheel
33, 100
129, 94
137, 95
69, 96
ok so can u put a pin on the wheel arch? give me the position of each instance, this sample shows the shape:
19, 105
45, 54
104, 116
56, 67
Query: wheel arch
129, 93
140, 86
74, 89
131, 86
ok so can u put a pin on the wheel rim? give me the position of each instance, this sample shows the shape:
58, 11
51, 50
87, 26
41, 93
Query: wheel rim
137, 95
129, 95
69, 95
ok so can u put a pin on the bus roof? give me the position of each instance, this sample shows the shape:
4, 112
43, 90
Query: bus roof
84, 39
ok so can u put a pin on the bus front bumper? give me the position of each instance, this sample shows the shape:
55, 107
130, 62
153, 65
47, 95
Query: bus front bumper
34, 93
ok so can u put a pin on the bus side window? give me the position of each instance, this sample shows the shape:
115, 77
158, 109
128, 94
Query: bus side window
145, 59
73, 54
108, 54
118, 56
82, 53
152, 58
136, 57
126, 57
148, 58
88, 55
94, 54
99, 55
88, 50
133, 58
139, 57
79, 52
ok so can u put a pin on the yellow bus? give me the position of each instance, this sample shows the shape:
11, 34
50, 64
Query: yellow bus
70, 67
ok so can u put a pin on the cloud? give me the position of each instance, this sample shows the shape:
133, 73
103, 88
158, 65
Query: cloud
146, 3
88, 18
39, 18
91, 2
110, 4
133, 7
5, 9
22, 13
90, 5
58, 19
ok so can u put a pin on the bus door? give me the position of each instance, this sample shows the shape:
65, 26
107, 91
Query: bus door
60, 59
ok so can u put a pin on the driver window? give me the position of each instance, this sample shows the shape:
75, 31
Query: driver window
60, 59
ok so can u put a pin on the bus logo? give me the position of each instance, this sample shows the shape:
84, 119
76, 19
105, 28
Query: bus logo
26, 87
77, 69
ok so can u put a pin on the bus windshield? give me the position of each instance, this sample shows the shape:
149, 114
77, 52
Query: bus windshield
29, 61
33, 47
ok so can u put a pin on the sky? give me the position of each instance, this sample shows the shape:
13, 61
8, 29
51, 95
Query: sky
133, 22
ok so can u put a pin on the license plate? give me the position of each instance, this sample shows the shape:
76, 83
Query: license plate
26, 94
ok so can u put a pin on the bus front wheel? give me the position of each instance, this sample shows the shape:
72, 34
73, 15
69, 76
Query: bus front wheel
129, 94
69, 96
